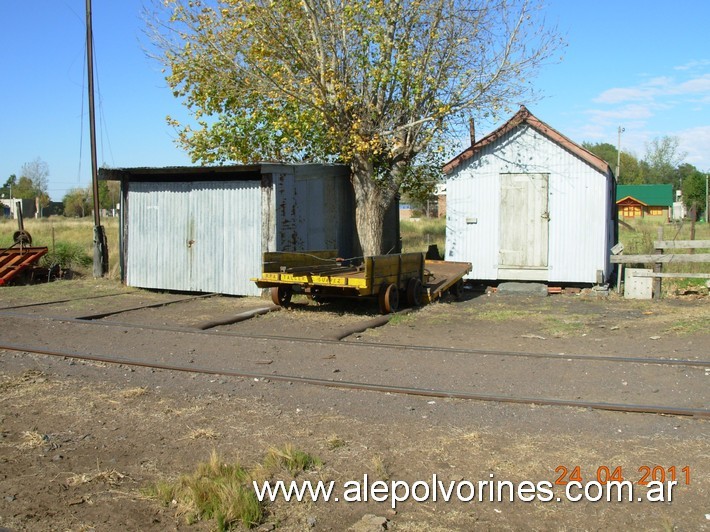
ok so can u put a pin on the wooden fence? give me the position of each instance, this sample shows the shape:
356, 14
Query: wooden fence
661, 257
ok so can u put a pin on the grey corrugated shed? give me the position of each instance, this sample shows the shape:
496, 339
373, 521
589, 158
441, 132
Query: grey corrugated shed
204, 229
576, 217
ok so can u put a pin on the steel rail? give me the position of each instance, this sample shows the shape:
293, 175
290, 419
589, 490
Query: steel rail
57, 301
101, 315
381, 388
379, 345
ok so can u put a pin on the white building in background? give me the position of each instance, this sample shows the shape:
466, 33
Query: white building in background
525, 203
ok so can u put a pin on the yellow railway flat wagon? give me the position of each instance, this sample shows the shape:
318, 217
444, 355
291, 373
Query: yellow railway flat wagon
322, 274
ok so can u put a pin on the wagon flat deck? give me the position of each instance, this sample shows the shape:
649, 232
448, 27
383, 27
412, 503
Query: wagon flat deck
16, 259
441, 275
322, 273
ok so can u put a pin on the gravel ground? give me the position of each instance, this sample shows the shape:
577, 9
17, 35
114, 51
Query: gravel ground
82, 440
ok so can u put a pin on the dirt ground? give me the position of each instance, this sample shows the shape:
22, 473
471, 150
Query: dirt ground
81, 441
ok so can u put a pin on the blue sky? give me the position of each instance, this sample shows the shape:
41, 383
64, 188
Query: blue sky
642, 65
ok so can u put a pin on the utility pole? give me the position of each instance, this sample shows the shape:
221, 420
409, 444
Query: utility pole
618, 154
707, 219
100, 247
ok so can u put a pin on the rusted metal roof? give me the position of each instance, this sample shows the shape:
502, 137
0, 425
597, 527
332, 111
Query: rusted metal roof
524, 116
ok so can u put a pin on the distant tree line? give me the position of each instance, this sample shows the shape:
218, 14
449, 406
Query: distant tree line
32, 184
663, 163
78, 202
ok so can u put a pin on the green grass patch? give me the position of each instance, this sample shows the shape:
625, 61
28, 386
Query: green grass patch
224, 492
402, 319
214, 491
505, 314
564, 327
290, 459
68, 256
689, 326
418, 235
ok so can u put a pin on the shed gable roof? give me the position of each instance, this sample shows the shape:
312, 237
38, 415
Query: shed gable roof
652, 195
524, 116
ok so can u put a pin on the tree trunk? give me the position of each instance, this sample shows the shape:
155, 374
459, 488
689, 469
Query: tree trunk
372, 199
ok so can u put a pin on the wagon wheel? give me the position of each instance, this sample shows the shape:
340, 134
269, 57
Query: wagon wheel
414, 292
22, 237
388, 298
281, 295
457, 289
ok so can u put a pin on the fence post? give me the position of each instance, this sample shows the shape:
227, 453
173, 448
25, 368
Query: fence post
658, 268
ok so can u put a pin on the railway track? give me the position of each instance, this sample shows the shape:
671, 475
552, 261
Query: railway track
96, 319
363, 386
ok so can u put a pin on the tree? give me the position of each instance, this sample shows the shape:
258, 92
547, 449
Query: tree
36, 176
369, 83
606, 151
77, 202
24, 189
662, 158
693, 189
629, 171
108, 194
38, 172
6, 190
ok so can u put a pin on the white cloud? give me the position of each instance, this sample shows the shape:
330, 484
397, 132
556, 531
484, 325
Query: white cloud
619, 95
657, 88
692, 65
699, 85
674, 105
632, 116
696, 141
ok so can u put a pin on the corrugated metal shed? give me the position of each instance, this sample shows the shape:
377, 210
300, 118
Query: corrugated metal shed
526, 203
204, 229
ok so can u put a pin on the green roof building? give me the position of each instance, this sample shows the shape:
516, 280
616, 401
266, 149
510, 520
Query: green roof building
636, 201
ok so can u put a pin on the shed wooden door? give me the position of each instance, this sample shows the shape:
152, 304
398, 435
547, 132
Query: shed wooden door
524, 221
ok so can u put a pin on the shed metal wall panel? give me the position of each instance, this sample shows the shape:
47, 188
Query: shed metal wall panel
195, 236
157, 257
579, 208
313, 212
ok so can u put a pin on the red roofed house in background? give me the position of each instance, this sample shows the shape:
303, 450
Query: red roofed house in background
525, 203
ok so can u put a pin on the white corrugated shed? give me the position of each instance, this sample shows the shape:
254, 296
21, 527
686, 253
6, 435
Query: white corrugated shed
526, 203
184, 236
204, 229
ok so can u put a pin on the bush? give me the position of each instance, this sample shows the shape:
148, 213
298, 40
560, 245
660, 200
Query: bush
68, 256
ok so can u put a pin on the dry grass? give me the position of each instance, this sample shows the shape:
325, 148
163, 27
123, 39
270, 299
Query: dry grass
132, 393
67, 236
290, 459
203, 434
109, 476
335, 442
380, 469
32, 440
